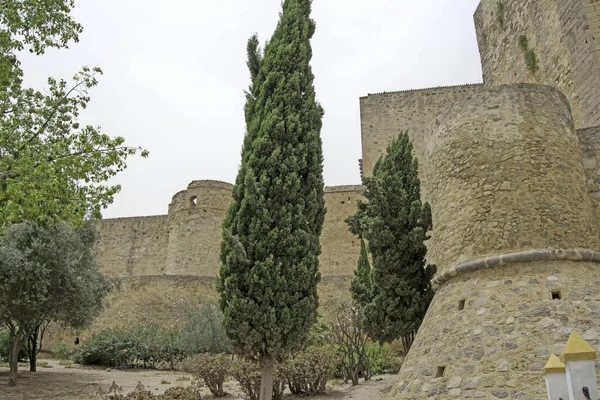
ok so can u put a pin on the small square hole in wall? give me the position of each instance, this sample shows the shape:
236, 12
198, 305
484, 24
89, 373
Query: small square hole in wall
440, 372
461, 305
556, 295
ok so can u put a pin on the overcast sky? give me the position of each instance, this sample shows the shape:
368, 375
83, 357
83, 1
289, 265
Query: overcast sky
175, 71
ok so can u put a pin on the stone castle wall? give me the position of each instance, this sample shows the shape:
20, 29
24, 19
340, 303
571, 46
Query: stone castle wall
563, 34
187, 241
507, 186
506, 174
195, 218
383, 116
132, 246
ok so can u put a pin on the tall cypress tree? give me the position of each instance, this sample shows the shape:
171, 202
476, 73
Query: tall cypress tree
270, 248
395, 224
361, 286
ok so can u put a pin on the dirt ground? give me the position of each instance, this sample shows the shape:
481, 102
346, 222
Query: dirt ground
61, 383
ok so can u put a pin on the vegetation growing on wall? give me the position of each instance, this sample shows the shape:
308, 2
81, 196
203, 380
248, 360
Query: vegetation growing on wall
501, 15
528, 54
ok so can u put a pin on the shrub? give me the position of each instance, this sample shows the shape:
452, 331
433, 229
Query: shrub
307, 373
61, 351
204, 331
147, 345
140, 393
379, 357
212, 370
247, 373
181, 393
111, 347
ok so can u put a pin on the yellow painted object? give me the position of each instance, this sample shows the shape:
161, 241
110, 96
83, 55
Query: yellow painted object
554, 365
577, 349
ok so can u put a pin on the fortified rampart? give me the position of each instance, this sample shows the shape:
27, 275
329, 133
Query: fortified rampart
186, 242
516, 246
384, 115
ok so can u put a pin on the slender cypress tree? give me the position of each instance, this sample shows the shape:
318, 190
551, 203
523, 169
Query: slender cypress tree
395, 224
361, 286
270, 248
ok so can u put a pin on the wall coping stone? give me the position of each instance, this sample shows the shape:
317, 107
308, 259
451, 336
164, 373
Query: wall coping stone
517, 257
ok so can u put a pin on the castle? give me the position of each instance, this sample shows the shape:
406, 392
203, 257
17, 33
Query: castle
510, 168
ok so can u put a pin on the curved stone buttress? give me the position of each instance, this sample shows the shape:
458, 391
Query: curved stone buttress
515, 244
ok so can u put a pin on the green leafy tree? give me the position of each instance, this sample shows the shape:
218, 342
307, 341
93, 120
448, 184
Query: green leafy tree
51, 167
361, 286
395, 223
47, 274
270, 249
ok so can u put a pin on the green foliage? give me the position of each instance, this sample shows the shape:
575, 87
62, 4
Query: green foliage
308, 371
61, 351
144, 345
270, 249
361, 286
379, 356
395, 223
48, 275
212, 370
51, 168
501, 14
523, 43
248, 375
4, 344
528, 54
204, 331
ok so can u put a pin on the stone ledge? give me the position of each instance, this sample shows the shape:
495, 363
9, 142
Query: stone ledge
517, 257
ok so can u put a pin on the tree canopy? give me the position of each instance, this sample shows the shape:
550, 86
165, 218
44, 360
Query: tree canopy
270, 249
51, 167
395, 223
48, 274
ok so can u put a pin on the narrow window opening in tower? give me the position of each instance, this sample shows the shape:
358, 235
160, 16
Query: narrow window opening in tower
193, 201
461, 304
440, 372
556, 295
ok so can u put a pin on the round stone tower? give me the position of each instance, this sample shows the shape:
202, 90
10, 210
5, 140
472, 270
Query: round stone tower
195, 217
515, 246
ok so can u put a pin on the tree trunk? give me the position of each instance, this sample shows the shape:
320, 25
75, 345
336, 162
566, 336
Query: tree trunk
267, 366
13, 359
33, 352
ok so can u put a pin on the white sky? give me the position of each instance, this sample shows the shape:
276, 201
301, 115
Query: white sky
175, 71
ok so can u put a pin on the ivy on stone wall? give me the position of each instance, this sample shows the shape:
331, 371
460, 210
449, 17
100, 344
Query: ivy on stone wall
528, 54
501, 15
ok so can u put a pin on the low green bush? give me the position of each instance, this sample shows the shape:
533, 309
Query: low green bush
212, 370
307, 372
204, 331
379, 357
145, 345
61, 351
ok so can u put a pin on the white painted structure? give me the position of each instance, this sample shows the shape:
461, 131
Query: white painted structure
556, 379
579, 358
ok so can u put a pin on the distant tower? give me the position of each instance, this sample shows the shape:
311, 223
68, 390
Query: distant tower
195, 217
514, 245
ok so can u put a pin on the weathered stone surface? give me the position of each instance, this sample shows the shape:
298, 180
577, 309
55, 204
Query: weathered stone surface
472, 383
454, 382
500, 393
